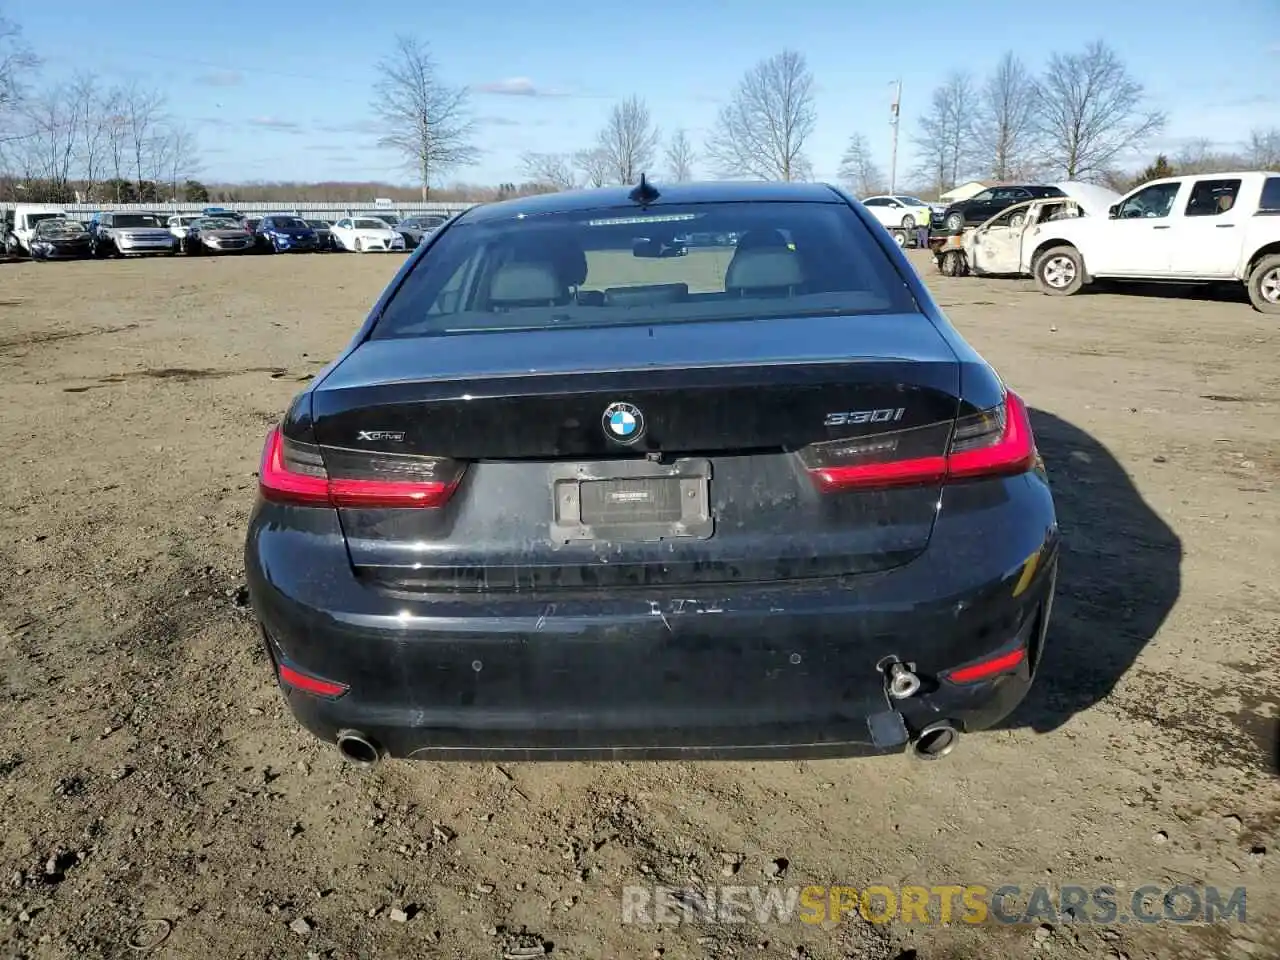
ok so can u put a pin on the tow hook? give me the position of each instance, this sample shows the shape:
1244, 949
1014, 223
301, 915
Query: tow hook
903, 682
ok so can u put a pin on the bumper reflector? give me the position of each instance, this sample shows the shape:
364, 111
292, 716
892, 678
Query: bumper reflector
292, 677
986, 669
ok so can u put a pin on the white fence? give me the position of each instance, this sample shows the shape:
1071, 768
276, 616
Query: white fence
316, 211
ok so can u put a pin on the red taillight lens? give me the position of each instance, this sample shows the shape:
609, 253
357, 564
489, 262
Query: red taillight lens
315, 686
996, 442
986, 669
296, 473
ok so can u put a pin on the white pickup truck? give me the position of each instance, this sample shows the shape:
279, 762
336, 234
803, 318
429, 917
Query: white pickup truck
1197, 229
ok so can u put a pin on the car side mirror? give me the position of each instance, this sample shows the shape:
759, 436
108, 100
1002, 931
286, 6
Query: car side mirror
1113, 211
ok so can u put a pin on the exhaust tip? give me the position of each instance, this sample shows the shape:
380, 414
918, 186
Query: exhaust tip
357, 748
936, 741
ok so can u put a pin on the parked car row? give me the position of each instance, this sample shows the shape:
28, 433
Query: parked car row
49, 233
902, 214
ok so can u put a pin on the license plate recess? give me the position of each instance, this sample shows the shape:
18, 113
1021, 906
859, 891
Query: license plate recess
637, 500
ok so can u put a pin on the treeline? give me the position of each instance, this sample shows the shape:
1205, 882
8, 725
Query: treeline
340, 191
1081, 118
84, 136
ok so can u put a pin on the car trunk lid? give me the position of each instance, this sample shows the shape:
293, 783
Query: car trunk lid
634, 456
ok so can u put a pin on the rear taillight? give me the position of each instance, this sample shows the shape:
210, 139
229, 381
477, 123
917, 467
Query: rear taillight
995, 442
307, 683
992, 666
297, 473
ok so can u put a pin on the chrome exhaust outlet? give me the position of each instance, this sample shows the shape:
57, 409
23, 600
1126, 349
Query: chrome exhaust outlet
357, 748
935, 741
903, 682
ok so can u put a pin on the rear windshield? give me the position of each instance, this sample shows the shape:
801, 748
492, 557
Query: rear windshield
610, 267
137, 220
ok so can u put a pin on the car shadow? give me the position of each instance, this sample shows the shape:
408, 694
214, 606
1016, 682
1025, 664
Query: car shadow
1205, 292
1119, 576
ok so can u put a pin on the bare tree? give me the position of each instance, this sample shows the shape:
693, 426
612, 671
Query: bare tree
945, 138
92, 111
1004, 123
116, 123
16, 60
426, 121
1090, 111
1262, 151
1199, 156
159, 155
680, 157
593, 164
858, 168
143, 112
183, 157
932, 149
553, 170
629, 140
50, 137
762, 131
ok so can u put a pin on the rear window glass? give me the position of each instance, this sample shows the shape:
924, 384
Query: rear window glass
598, 268
137, 220
1270, 202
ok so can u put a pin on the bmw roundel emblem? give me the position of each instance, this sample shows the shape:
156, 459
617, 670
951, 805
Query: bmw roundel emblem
623, 422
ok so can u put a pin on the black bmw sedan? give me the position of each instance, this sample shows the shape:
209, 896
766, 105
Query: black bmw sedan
567, 495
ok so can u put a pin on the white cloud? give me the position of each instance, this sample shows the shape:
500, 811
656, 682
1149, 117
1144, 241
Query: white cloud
516, 87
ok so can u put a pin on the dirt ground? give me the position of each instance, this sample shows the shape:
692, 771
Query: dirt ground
157, 799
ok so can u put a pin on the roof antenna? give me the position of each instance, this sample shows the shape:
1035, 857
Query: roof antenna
644, 193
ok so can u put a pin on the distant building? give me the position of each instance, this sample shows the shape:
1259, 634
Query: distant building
965, 190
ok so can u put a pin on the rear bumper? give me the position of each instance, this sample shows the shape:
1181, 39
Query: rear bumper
732, 671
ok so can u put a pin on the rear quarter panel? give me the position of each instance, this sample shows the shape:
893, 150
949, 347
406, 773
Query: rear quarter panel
1080, 232
1261, 234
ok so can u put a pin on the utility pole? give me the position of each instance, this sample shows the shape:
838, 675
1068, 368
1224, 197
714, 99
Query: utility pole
895, 112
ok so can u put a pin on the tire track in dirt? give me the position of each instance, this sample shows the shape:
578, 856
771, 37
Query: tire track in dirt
39, 339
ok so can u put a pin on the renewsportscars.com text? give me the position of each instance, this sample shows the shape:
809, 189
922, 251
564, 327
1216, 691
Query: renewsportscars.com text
942, 904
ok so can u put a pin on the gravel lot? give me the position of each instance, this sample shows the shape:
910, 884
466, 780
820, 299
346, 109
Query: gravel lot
153, 788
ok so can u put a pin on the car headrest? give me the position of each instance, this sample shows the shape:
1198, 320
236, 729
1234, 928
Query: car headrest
526, 284
568, 257
759, 239
764, 269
